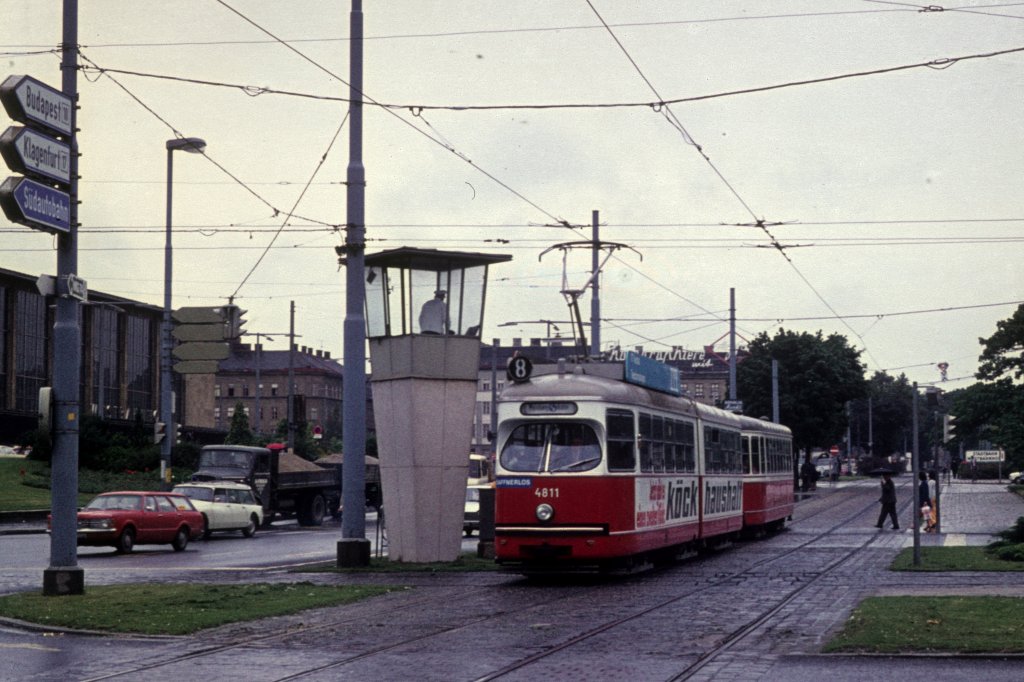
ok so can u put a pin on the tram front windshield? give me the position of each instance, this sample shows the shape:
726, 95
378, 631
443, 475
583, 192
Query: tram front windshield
551, 446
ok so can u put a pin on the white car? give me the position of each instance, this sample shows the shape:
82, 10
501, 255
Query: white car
225, 506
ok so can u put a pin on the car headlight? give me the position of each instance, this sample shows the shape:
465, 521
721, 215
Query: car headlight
545, 512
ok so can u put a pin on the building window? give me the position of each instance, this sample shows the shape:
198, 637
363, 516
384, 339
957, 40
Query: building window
29, 350
312, 413
231, 390
216, 390
106, 385
486, 408
273, 413
216, 414
698, 390
139, 367
273, 389
716, 391
245, 390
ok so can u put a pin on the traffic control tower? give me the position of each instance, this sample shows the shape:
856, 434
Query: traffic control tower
424, 314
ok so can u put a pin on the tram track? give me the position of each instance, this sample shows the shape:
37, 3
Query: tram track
545, 602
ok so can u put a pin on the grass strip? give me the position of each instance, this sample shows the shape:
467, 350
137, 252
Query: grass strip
177, 609
971, 558
933, 624
467, 562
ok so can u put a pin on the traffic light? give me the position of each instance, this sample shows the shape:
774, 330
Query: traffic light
177, 434
234, 321
948, 424
159, 431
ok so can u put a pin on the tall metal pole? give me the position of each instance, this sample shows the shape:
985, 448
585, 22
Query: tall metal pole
291, 378
354, 545
915, 506
166, 394
595, 300
732, 344
257, 417
64, 576
775, 390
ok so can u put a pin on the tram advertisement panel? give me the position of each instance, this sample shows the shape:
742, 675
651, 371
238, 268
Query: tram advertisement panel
722, 497
665, 501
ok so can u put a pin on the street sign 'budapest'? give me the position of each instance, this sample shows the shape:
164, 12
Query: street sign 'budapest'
27, 151
31, 101
34, 204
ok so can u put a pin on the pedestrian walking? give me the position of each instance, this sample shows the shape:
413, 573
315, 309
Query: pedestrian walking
888, 501
924, 498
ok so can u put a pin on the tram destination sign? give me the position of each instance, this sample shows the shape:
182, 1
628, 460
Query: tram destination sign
37, 205
658, 376
31, 101
32, 153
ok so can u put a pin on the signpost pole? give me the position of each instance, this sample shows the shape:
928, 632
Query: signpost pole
64, 576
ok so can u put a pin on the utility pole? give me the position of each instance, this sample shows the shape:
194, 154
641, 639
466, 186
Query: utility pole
354, 548
732, 344
64, 576
595, 301
291, 378
915, 506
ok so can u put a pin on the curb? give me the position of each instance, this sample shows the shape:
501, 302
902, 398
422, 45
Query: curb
27, 522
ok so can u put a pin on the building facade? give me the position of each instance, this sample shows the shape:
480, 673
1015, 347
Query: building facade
120, 355
258, 379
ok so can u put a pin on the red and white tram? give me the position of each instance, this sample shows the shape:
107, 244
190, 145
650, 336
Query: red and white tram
767, 474
594, 472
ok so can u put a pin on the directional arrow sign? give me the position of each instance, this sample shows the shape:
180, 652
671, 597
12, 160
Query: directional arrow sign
196, 367
32, 153
198, 332
197, 315
36, 205
31, 101
202, 350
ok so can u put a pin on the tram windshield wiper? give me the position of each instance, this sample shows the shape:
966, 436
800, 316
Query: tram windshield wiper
574, 465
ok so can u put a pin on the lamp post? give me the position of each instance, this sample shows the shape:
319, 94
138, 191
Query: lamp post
193, 145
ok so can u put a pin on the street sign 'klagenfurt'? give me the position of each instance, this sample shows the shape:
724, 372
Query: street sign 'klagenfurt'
32, 153
34, 102
35, 204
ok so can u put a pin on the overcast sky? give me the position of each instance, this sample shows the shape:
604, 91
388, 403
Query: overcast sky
892, 177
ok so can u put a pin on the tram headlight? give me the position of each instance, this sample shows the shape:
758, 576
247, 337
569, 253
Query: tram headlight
545, 512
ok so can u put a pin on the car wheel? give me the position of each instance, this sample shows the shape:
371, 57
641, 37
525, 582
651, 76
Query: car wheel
126, 542
250, 530
207, 531
180, 541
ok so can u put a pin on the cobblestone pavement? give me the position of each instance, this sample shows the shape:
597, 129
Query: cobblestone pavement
758, 611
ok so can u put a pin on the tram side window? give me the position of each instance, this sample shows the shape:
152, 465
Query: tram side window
712, 450
621, 440
524, 449
646, 439
687, 441
732, 454
658, 444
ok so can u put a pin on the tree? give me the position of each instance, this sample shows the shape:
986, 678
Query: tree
239, 433
817, 376
992, 413
891, 415
1002, 354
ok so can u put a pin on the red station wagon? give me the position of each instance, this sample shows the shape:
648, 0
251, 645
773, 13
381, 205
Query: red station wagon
125, 519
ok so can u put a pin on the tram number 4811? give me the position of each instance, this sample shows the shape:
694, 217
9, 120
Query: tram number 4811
546, 492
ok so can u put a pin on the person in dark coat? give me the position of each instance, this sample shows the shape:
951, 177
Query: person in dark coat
888, 500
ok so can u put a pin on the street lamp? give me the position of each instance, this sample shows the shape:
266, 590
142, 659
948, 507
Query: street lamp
193, 145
